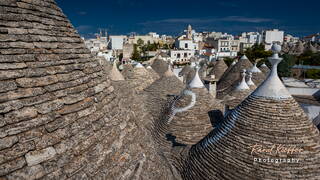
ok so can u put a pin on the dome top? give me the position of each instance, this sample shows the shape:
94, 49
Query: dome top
250, 82
139, 65
243, 57
196, 81
276, 48
243, 85
255, 69
272, 87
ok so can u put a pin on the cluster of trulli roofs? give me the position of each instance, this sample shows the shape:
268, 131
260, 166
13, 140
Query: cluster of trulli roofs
65, 115
300, 48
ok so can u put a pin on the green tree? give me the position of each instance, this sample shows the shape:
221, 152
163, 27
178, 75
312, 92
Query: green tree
228, 61
140, 42
284, 68
309, 58
257, 51
136, 53
166, 46
313, 74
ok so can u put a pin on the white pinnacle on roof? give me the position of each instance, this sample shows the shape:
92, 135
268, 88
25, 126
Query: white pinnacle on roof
272, 87
233, 63
196, 81
149, 67
255, 69
243, 57
250, 82
243, 85
139, 65
168, 72
115, 74
264, 65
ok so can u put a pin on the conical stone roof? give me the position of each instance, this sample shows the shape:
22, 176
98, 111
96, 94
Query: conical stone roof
190, 121
127, 71
115, 74
141, 78
311, 48
203, 70
317, 46
218, 69
159, 91
264, 68
285, 48
60, 117
154, 75
160, 66
299, 48
172, 133
188, 72
269, 117
232, 77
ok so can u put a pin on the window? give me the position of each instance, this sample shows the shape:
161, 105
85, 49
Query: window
178, 55
186, 45
185, 55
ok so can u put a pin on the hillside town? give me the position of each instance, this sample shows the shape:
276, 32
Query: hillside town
199, 105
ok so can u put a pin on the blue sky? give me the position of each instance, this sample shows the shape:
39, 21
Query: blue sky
298, 18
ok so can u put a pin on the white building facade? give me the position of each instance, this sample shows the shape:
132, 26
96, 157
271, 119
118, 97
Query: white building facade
186, 44
116, 42
271, 36
181, 56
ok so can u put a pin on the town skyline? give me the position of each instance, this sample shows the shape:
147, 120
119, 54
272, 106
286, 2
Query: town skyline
233, 17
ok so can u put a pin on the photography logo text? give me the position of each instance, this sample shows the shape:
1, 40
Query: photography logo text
275, 153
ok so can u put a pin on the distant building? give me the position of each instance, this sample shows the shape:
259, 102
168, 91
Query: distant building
107, 55
216, 35
290, 39
164, 56
116, 42
270, 36
96, 45
181, 56
154, 35
127, 50
150, 38
245, 46
186, 44
226, 47
313, 38
248, 39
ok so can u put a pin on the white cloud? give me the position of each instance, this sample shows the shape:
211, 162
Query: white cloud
212, 19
